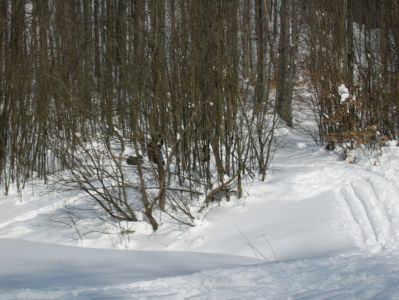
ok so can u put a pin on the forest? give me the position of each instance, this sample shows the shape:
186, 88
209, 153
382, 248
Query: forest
189, 93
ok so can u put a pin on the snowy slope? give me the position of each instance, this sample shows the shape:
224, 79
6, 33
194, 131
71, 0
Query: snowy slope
37, 266
40, 271
327, 228
313, 204
353, 277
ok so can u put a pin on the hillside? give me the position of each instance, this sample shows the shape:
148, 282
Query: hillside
185, 149
318, 227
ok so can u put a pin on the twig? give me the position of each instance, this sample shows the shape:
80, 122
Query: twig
271, 248
254, 249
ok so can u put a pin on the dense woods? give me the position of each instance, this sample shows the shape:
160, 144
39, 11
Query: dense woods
204, 83
355, 43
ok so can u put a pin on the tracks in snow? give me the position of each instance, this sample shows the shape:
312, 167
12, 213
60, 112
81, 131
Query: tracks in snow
372, 207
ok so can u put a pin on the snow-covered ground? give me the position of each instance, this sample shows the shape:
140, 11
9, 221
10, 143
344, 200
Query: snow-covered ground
318, 228
41, 271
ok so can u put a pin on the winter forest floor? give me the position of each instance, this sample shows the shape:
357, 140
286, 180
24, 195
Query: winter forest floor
318, 228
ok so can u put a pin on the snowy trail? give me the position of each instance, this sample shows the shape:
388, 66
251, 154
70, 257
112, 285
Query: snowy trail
366, 193
312, 205
338, 277
328, 229
355, 276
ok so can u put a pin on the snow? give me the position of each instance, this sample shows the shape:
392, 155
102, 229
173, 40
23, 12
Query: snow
28, 266
343, 92
40, 271
351, 277
318, 228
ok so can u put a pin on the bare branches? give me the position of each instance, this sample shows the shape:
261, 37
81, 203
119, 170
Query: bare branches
180, 75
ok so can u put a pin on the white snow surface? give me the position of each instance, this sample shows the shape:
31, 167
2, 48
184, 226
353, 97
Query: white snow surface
318, 228
35, 270
343, 92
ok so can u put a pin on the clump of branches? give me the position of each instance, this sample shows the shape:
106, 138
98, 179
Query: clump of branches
123, 191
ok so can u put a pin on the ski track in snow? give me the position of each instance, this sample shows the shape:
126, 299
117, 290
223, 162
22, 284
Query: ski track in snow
355, 212
375, 217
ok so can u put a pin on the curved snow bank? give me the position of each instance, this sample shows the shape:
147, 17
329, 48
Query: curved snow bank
356, 276
27, 265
